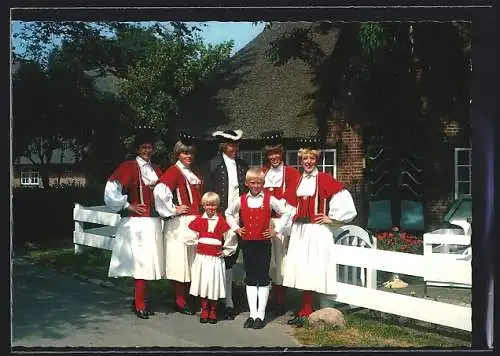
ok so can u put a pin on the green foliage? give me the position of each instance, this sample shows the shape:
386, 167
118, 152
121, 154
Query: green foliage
400, 241
371, 37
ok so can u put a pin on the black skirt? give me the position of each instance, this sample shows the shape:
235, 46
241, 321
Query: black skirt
256, 261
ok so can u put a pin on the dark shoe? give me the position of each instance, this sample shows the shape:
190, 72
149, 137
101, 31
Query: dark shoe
229, 314
184, 310
303, 322
258, 324
294, 321
212, 321
146, 309
248, 323
280, 310
203, 320
142, 314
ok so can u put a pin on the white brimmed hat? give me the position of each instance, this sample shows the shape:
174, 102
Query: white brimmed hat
228, 135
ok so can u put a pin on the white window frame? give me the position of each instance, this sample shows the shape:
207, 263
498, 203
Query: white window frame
252, 152
456, 166
321, 165
30, 176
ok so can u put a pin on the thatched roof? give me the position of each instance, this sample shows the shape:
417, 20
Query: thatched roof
253, 94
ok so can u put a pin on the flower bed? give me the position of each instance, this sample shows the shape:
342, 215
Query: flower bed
400, 241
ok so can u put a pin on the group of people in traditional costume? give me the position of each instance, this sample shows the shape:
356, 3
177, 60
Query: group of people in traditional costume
282, 220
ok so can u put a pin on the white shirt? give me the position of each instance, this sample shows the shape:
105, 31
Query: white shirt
164, 203
113, 197
279, 206
232, 175
274, 176
341, 206
230, 238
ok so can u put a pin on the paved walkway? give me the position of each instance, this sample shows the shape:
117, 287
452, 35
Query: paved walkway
54, 310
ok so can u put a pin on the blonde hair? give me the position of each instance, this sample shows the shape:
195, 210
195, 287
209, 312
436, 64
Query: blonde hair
308, 151
254, 173
210, 197
268, 149
223, 145
179, 148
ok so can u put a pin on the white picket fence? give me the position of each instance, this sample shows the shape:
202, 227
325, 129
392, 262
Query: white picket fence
358, 261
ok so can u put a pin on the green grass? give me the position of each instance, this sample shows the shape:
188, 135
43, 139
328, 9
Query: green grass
364, 328
368, 329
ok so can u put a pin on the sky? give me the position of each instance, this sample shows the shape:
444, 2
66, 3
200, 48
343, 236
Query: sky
215, 32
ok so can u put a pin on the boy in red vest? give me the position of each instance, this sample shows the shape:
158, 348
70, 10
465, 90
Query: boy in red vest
254, 209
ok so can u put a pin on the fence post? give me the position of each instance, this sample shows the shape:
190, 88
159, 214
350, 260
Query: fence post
78, 228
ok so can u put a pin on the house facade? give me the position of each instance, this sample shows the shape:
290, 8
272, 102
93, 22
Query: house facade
254, 94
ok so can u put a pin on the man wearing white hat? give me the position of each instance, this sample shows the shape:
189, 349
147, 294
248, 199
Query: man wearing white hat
225, 175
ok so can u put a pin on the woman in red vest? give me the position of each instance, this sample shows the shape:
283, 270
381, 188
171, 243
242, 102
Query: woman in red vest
254, 209
320, 202
177, 197
138, 245
278, 177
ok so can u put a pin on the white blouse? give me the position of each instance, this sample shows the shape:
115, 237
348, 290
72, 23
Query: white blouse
230, 239
113, 197
164, 203
341, 206
232, 175
274, 176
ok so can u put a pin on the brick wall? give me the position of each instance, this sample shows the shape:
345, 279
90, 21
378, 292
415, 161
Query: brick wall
441, 140
350, 159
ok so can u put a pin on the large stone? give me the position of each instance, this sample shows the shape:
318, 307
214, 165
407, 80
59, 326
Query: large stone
327, 316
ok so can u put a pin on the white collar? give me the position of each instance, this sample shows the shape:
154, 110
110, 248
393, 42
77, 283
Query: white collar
314, 173
260, 195
181, 165
279, 168
141, 161
227, 158
205, 216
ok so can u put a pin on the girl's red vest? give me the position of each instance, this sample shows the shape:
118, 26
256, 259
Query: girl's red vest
200, 225
128, 174
184, 192
310, 207
255, 220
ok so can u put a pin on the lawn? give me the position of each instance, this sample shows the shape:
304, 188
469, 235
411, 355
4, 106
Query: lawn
364, 328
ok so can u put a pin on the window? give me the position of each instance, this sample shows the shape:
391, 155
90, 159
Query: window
326, 161
463, 172
253, 158
30, 176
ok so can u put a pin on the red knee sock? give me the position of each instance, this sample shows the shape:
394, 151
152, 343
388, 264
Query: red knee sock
204, 308
213, 309
279, 294
180, 291
140, 288
307, 303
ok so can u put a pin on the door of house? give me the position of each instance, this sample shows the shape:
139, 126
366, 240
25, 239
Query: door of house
394, 177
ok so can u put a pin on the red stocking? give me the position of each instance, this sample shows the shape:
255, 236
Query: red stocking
213, 310
180, 293
204, 308
279, 294
140, 287
307, 303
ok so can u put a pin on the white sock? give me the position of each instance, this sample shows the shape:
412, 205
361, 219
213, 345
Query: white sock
263, 293
252, 301
229, 288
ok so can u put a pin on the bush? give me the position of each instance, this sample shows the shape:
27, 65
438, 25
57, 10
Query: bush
400, 241
40, 214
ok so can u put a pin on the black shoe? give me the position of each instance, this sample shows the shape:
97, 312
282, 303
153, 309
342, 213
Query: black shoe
203, 320
248, 323
258, 324
280, 310
142, 314
295, 320
212, 321
146, 309
302, 322
229, 314
184, 310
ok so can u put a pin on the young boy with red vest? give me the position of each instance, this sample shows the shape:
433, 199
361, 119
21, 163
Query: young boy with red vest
214, 242
254, 209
